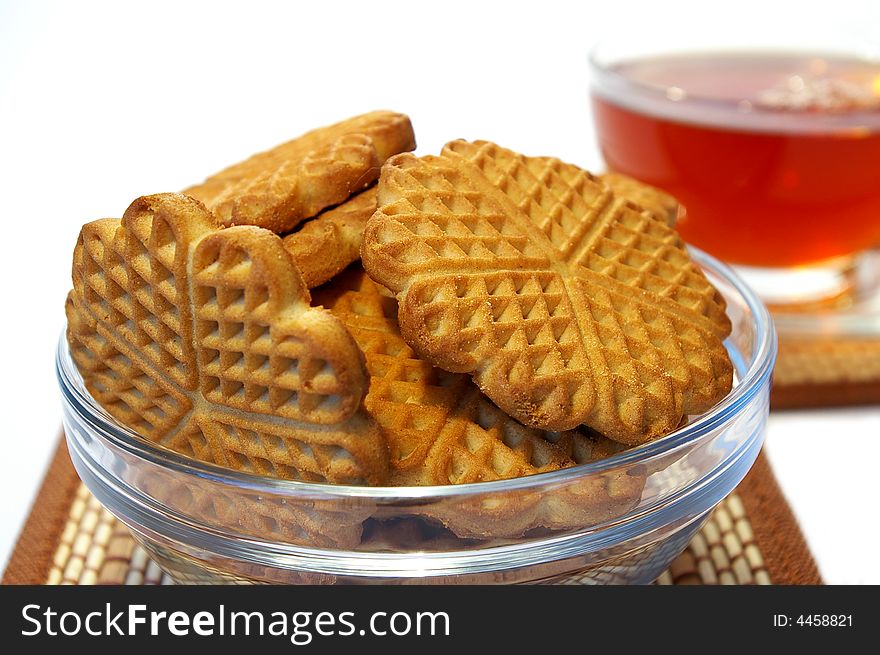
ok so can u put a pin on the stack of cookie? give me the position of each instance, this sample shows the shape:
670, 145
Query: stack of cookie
509, 315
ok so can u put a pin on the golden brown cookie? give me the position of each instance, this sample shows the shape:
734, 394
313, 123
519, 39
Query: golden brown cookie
644, 195
281, 187
439, 427
302, 520
204, 341
567, 305
326, 244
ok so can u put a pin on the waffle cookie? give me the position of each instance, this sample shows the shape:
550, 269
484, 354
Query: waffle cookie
326, 244
252, 513
566, 304
439, 427
644, 195
281, 187
204, 341
442, 430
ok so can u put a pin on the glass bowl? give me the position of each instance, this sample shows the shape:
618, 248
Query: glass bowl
617, 520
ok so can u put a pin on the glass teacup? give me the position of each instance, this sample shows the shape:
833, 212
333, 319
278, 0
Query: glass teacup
772, 148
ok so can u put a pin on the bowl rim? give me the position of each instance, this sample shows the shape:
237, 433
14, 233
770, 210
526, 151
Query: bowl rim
751, 382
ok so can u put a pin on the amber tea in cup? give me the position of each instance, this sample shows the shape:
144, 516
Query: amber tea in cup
774, 155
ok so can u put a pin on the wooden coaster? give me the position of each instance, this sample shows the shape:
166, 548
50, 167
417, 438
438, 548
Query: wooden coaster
823, 372
69, 538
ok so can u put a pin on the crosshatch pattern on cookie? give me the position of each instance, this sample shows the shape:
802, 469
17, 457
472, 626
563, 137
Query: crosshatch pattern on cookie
660, 203
328, 243
248, 358
310, 522
593, 228
126, 389
494, 284
240, 197
264, 383
440, 428
279, 188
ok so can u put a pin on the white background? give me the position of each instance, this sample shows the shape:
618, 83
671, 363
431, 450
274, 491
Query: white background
103, 102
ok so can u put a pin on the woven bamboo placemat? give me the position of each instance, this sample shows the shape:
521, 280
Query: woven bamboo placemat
822, 372
829, 353
69, 538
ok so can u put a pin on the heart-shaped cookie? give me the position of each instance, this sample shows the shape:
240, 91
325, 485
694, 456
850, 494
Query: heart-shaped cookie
566, 304
440, 429
203, 339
